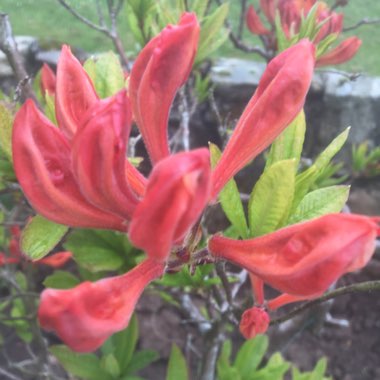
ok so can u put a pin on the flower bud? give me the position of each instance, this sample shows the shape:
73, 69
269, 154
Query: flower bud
254, 321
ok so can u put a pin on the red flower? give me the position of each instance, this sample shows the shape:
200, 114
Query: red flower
304, 259
176, 195
85, 316
254, 23
254, 321
161, 68
279, 97
48, 80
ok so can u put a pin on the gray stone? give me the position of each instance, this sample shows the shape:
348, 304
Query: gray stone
334, 102
26, 46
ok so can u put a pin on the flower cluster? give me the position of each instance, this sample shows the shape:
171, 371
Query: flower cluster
78, 174
291, 14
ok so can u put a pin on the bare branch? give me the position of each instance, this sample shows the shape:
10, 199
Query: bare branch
85, 20
9, 47
365, 21
242, 19
368, 286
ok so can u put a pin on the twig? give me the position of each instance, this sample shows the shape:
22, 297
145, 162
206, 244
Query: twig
361, 287
9, 47
243, 4
8, 375
111, 33
365, 21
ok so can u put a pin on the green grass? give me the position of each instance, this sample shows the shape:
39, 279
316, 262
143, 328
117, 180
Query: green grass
49, 21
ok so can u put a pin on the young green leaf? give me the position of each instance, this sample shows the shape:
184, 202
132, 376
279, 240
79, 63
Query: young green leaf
271, 198
124, 343
61, 280
85, 366
274, 370
230, 199
290, 142
177, 367
211, 27
321, 202
110, 365
6, 123
141, 359
40, 236
97, 250
106, 74
250, 355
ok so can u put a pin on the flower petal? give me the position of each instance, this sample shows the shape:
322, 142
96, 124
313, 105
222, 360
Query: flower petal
278, 99
75, 93
304, 259
85, 316
254, 22
177, 192
99, 156
160, 70
42, 162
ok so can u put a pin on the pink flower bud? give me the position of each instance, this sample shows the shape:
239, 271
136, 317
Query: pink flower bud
269, 9
56, 260
304, 259
278, 99
254, 321
47, 80
254, 22
85, 316
75, 93
160, 70
342, 53
177, 192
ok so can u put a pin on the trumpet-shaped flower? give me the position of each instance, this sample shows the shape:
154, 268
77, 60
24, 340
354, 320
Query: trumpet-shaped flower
279, 97
85, 316
176, 195
306, 258
160, 70
291, 14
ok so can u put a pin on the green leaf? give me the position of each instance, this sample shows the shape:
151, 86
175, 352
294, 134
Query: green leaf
321, 202
211, 29
282, 41
97, 250
85, 366
250, 356
6, 123
177, 367
290, 142
271, 198
141, 360
50, 108
124, 343
323, 46
61, 280
230, 198
110, 365
106, 74
333, 148
274, 370
199, 8
40, 236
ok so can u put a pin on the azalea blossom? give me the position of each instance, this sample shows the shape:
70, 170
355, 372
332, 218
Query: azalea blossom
77, 173
304, 259
291, 13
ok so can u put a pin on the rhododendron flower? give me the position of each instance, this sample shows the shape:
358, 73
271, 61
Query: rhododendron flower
160, 69
306, 258
279, 97
85, 316
254, 321
48, 80
291, 13
186, 188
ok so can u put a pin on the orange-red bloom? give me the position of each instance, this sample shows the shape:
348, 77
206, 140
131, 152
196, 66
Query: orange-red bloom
48, 80
254, 321
279, 97
176, 195
85, 316
161, 68
304, 259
